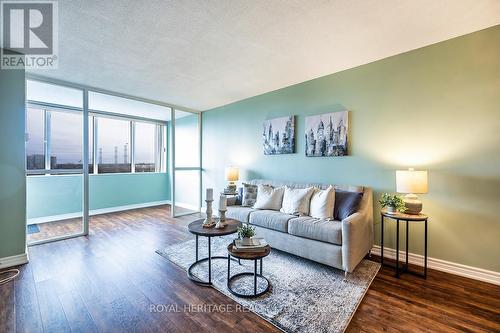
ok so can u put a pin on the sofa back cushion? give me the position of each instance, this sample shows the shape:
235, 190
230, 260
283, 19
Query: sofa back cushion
296, 201
350, 197
278, 183
346, 203
269, 197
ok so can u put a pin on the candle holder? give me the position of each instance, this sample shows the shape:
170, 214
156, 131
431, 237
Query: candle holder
209, 221
222, 215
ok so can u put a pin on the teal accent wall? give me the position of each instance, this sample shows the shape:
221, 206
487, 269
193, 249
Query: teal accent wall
128, 189
56, 195
12, 179
435, 108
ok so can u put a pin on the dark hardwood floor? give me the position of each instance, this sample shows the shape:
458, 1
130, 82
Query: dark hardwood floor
112, 281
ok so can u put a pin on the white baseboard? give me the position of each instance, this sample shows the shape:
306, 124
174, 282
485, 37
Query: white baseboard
16, 260
61, 217
187, 206
443, 265
128, 207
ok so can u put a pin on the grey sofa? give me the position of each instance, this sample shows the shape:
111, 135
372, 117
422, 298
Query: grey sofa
340, 244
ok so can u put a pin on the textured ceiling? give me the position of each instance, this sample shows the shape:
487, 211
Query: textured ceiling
203, 54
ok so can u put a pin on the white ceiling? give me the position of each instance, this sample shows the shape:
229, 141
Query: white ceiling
203, 54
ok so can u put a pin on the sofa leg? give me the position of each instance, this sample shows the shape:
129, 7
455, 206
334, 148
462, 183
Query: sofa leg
345, 274
370, 254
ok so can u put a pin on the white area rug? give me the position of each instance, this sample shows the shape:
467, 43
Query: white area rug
305, 296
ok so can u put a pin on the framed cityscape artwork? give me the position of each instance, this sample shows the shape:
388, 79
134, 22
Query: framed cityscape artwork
278, 136
327, 134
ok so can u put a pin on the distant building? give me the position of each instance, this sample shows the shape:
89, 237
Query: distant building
35, 162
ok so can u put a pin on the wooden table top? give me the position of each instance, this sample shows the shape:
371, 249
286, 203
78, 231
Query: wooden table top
248, 255
403, 216
197, 228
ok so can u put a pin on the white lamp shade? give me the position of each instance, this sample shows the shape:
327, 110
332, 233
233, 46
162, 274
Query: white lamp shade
411, 181
232, 174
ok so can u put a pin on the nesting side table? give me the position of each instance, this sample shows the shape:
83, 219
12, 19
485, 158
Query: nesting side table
197, 229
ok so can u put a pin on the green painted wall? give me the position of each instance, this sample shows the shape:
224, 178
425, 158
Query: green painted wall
55, 195
12, 179
435, 108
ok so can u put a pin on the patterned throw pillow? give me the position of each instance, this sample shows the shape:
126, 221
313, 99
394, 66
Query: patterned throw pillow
249, 195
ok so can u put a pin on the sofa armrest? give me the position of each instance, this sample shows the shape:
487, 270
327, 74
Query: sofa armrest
357, 233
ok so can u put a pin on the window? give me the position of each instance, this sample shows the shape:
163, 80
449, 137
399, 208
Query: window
145, 147
118, 141
53, 94
66, 147
35, 139
113, 145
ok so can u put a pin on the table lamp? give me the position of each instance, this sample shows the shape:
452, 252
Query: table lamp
232, 176
411, 182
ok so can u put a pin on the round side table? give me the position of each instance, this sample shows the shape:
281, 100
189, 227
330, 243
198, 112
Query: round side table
408, 218
255, 256
197, 229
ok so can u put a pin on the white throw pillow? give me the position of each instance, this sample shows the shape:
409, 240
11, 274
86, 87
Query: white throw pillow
322, 203
296, 201
269, 197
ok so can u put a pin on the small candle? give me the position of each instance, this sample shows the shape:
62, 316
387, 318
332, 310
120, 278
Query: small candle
222, 202
210, 194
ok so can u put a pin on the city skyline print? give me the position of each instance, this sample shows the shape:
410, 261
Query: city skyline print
278, 136
327, 134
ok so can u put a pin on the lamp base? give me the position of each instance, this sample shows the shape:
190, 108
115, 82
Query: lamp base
412, 204
231, 188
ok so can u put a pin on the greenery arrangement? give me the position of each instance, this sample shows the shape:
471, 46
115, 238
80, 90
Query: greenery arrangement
246, 231
393, 200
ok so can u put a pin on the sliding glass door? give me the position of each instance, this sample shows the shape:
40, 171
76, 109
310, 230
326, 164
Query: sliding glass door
74, 133
186, 163
56, 162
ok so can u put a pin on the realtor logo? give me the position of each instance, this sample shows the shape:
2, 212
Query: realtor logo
29, 34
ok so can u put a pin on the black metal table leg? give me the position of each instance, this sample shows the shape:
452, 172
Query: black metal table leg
406, 244
210, 260
397, 249
425, 252
382, 240
255, 277
228, 266
196, 248
260, 266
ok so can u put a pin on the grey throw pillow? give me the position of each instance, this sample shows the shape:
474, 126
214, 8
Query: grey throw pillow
346, 203
239, 197
249, 195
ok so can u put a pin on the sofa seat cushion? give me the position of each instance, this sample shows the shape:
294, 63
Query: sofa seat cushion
317, 229
238, 213
271, 219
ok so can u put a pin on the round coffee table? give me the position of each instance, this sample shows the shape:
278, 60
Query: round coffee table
255, 256
197, 229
